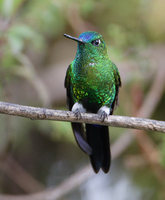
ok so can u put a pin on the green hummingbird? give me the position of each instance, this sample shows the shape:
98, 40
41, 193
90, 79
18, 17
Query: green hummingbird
92, 84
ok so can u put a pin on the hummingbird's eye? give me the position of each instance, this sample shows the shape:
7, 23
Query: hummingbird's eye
96, 42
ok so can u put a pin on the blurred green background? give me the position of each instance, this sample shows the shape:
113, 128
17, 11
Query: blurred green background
34, 57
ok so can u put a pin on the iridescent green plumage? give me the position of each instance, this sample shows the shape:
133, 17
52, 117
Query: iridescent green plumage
94, 85
93, 81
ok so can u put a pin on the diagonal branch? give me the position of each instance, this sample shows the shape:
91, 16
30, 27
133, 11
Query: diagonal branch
60, 115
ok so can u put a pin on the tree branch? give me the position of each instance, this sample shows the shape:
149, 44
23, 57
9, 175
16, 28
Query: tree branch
59, 115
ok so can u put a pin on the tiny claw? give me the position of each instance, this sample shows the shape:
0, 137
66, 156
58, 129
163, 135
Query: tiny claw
77, 113
77, 109
103, 115
103, 112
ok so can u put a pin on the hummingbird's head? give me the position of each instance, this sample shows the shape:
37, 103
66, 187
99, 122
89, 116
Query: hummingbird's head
90, 44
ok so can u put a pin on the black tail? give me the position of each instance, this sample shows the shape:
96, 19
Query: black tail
98, 139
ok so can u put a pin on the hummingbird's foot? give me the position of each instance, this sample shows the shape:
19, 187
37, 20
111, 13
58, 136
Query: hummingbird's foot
103, 112
77, 109
77, 113
103, 115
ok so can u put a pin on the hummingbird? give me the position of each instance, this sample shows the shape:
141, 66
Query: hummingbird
92, 85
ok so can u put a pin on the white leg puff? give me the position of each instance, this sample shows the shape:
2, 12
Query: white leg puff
103, 112
78, 109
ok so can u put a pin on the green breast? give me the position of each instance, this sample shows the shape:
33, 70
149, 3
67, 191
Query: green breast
93, 84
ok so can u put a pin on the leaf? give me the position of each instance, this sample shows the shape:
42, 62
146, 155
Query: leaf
19, 34
8, 7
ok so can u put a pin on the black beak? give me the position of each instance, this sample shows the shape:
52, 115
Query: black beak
74, 38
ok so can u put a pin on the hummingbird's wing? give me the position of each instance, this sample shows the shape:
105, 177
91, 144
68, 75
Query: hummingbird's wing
117, 75
117, 84
78, 128
67, 85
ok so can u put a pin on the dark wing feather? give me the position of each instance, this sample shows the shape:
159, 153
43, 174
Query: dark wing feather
78, 128
67, 85
117, 84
